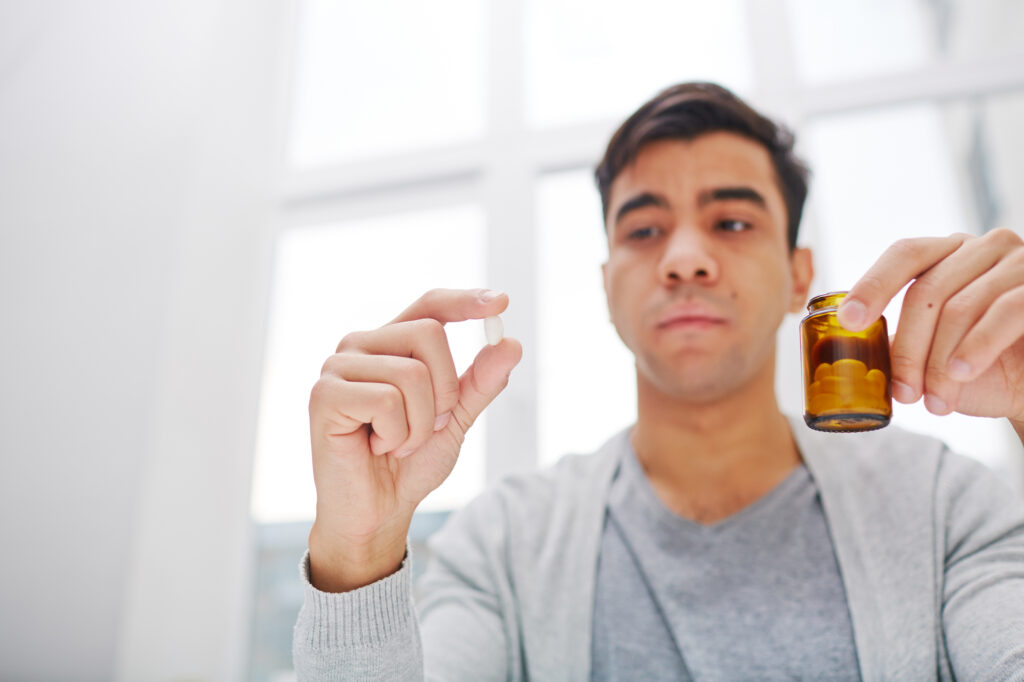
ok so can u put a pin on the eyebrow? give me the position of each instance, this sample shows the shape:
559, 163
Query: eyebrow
642, 200
732, 194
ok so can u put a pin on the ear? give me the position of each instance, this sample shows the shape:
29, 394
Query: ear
604, 282
801, 264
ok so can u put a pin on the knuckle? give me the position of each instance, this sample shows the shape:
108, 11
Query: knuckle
1004, 237
960, 309
350, 341
1009, 304
429, 328
1016, 257
447, 393
935, 376
389, 399
906, 248
333, 364
873, 284
463, 419
903, 363
433, 296
318, 394
922, 291
415, 373
975, 344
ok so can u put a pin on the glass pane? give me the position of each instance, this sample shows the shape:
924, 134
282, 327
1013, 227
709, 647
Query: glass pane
841, 40
995, 159
910, 171
844, 40
333, 279
587, 386
375, 78
597, 59
980, 28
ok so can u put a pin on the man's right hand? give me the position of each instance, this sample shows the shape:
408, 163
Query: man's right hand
387, 419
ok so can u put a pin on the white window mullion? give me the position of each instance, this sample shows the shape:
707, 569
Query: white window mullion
509, 206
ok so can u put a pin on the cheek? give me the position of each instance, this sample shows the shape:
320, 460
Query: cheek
622, 302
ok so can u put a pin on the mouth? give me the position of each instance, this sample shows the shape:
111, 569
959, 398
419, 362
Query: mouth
690, 316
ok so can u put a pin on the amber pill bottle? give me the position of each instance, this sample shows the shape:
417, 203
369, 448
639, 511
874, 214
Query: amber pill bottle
846, 374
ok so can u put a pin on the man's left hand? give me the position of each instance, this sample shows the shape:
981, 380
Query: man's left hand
960, 338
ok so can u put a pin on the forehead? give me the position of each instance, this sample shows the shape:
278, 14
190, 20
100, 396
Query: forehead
680, 167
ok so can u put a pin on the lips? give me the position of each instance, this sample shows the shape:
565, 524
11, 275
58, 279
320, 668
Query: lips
691, 315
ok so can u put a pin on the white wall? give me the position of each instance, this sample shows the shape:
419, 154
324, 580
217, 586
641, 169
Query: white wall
137, 143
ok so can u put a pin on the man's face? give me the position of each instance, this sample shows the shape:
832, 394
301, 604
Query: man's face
699, 273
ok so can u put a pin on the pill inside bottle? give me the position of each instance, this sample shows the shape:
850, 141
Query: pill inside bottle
846, 374
494, 330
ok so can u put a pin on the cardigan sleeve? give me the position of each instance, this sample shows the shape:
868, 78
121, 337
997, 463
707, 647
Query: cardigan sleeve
365, 634
468, 608
461, 632
983, 590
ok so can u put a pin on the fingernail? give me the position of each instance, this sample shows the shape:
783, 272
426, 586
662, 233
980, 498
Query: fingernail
404, 453
959, 370
442, 420
935, 405
489, 295
902, 392
852, 313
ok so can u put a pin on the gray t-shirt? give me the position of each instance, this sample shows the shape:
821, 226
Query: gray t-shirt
757, 595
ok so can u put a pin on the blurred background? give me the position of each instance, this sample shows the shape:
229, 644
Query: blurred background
198, 199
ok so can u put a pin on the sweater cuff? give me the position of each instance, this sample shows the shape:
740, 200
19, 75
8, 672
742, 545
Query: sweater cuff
366, 616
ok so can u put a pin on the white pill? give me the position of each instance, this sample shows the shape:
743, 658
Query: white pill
493, 330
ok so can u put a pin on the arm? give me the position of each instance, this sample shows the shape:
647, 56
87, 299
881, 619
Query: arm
363, 634
388, 417
983, 593
467, 625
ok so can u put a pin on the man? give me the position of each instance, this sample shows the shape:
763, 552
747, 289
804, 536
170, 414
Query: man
716, 538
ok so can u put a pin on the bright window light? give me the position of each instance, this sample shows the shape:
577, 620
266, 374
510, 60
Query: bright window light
881, 176
383, 77
587, 386
600, 59
843, 40
357, 275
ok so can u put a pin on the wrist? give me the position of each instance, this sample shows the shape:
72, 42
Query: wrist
339, 564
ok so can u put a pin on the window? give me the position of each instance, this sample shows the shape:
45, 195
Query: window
917, 170
465, 132
836, 41
600, 59
384, 77
580, 352
340, 277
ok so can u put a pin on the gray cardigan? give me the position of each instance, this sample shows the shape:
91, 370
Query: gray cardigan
930, 547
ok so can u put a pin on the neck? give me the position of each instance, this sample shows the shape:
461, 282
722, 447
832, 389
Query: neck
708, 460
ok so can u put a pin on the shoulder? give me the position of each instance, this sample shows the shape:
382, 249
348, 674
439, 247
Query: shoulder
900, 469
888, 459
975, 506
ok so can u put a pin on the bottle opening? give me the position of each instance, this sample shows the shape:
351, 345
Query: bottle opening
829, 300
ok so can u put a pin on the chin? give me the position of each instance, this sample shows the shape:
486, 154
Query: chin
696, 385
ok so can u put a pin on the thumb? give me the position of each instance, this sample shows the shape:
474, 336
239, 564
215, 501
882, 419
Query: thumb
484, 380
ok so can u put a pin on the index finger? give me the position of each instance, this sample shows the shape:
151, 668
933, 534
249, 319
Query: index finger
902, 262
455, 305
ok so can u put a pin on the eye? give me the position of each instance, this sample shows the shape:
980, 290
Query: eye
733, 225
642, 233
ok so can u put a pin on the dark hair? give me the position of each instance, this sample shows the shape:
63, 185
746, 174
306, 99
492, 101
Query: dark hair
688, 110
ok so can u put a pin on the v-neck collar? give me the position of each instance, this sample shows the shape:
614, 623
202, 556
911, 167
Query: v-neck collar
633, 485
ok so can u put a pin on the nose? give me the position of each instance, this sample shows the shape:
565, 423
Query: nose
687, 259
